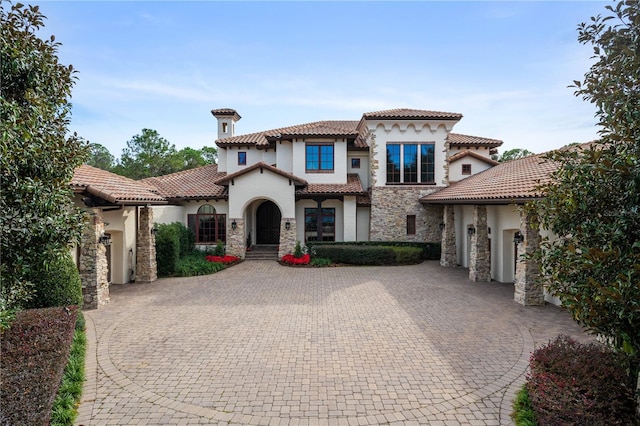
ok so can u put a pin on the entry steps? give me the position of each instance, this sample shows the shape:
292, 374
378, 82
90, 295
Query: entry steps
262, 252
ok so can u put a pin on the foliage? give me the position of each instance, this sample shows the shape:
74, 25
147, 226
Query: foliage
37, 155
355, 254
196, 264
297, 251
592, 202
149, 154
523, 414
291, 259
100, 157
320, 262
167, 249
574, 384
34, 352
407, 255
65, 406
56, 283
514, 154
430, 251
219, 249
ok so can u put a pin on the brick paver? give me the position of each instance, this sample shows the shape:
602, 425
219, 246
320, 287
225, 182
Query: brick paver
263, 344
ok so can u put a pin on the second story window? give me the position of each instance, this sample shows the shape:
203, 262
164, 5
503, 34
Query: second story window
242, 158
355, 163
319, 157
466, 169
410, 163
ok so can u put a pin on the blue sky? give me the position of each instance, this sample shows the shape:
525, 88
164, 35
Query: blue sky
164, 65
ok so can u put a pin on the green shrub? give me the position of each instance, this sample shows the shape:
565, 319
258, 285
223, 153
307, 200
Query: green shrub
56, 283
219, 250
407, 255
196, 264
523, 414
355, 255
430, 251
575, 384
34, 352
320, 262
297, 251
167, 249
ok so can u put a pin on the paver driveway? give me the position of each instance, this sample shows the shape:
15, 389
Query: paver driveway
264, 344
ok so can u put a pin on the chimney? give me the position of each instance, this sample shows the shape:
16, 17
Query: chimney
227, 118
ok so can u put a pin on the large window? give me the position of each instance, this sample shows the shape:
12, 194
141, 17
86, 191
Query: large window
320, 224
410, 163
208, 227
319, 157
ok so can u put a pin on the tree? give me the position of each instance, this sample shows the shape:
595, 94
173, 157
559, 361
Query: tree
514, 154
592, 203
190, 158
147, 154
38, 219
210, 154
100, 157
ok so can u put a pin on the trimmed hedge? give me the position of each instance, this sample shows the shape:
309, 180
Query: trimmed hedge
575, 384
56, 283
173, 242
355, 255
34, 353
430, 251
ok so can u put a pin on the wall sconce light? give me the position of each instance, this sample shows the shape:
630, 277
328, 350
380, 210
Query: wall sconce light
442, 226
154, 230
105, 239
287, 225
471, 230
234, 225
518, 237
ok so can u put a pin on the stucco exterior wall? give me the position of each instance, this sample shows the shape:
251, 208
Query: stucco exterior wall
363, 171
222, 159
261, 185
455, 168
362, 223
169, 214
284, 156
339, 174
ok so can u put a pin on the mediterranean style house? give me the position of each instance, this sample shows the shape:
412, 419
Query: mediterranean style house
394, 175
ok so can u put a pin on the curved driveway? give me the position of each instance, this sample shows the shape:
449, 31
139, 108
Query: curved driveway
263, 344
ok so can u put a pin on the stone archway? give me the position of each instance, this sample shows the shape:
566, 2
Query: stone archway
268, 217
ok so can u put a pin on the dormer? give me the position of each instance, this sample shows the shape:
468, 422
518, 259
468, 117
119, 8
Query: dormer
227, 118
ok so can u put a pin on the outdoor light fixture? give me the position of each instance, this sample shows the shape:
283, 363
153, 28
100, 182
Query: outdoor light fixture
518, 237
154, 230
234, 225
471, 230
105, 239
442, 225
287, 225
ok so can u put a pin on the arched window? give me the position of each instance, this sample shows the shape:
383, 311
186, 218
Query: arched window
208, 227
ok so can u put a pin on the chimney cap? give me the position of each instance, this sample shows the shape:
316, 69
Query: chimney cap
226, 112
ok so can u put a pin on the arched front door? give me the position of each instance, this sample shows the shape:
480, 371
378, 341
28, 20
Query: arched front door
268, 223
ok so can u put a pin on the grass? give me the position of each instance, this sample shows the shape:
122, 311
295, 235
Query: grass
523, 414
65, 406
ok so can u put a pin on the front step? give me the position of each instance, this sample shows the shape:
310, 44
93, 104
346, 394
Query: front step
262, 252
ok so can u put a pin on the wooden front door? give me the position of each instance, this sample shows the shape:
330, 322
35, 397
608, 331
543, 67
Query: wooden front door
268, 223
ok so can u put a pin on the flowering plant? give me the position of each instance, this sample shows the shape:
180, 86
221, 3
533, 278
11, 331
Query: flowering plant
292, 260
222, 259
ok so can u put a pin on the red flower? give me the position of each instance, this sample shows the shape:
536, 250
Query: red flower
292, 260
222, 259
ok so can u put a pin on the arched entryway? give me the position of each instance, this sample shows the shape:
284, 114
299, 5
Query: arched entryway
268, 223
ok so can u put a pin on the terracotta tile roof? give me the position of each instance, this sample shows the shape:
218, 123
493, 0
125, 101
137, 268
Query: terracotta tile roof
473, 154
113, 188
410, 114
352, 187
224, 180
335, 128
192, 184
363, 200
222, 112
456, 139
513, 181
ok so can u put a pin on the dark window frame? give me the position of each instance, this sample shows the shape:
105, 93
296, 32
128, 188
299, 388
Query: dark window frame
466, 169
242, 158
355, 163
410, 163
411, 224
323, 225
208, 226
322, 160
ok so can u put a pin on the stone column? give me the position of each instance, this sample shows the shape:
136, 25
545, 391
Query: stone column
93, 263
449, 255
146, 265
287, 236
480, 257
528, 290
236, 241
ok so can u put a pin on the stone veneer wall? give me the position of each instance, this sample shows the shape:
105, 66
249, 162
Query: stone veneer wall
287, 237
480, 256
449, 254
146, 264
92, 264
528, 291
236, 241
390, 206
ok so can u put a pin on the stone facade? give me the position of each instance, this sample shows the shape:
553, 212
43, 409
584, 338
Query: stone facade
449, 255
236, 241
287, 237
528, 289
390, 207
92, 264
480, 256
147, 267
